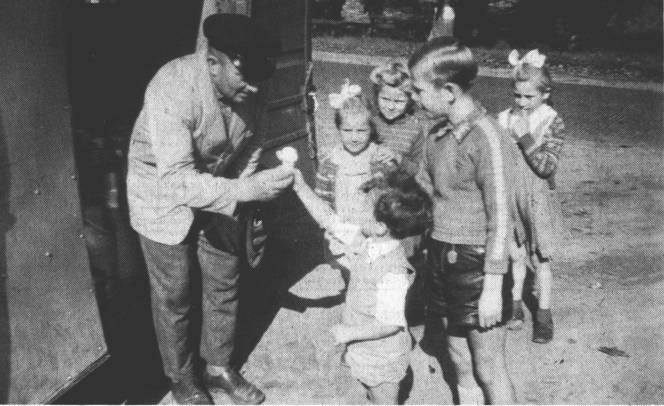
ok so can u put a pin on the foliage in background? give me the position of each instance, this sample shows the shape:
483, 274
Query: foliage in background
549, 24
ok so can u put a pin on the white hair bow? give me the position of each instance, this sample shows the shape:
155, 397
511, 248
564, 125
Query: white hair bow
533, 58
347, 91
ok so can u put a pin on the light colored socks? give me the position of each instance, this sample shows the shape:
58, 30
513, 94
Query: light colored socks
215, 370
470, 396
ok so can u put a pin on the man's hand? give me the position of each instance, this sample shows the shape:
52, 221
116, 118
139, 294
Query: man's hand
253, 164
298, 180
490, 306
265, 185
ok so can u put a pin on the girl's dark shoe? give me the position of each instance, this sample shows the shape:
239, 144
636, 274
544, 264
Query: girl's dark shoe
516, 322
543, 328
187, 392
234, 385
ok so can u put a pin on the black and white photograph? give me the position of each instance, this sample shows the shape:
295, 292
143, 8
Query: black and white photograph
332, 202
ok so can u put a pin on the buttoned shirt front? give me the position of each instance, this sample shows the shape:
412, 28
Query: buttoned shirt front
182, 142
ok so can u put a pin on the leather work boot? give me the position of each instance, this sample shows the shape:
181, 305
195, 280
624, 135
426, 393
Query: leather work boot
187, 392
234, 385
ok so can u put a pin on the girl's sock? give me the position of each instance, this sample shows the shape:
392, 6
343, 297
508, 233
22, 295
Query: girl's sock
470, 396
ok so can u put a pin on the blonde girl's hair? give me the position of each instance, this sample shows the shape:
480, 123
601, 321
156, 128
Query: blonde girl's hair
540, 77
445, 60
355, 106
393, 74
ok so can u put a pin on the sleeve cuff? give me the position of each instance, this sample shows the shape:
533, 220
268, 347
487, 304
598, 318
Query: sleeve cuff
526, 142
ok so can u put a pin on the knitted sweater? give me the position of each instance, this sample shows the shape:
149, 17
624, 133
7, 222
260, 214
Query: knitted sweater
404, 136
542, 145
328, 170
468, 170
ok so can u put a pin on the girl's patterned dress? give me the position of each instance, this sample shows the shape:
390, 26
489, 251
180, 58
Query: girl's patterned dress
537, 201
338, 180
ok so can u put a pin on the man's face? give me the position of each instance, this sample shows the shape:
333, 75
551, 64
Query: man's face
228, 79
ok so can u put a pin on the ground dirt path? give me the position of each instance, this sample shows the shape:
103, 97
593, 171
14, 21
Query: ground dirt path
609, 283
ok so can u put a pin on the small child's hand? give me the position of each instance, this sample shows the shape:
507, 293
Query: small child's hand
521, 127
298, 179
340, 333
386, 156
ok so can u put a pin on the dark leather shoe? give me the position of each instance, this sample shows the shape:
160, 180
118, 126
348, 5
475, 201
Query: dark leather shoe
234, 385
543, 328
187, 392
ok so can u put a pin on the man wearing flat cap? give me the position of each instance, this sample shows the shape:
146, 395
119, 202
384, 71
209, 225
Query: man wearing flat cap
192, 158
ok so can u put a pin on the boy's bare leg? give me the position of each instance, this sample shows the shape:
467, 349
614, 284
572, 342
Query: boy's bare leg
384, 394
544, 284
518, 256
469, 392
488, 352
543, 328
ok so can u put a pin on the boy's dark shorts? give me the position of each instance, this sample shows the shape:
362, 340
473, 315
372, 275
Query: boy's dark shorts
454, 289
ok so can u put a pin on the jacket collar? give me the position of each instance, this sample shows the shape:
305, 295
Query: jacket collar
377, 249
462, 129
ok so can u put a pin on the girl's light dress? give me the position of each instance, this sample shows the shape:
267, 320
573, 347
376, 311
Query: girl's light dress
377, 295
537, 200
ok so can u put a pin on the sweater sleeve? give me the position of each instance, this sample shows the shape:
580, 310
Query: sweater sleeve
423, 176
543, 158
411, 161
324, 184
491, 179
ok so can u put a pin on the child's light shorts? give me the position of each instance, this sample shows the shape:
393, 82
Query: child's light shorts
373, 369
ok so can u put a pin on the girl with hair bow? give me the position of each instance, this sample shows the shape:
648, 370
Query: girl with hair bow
355, 159
539, 132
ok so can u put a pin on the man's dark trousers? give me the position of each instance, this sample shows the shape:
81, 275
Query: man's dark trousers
213, 243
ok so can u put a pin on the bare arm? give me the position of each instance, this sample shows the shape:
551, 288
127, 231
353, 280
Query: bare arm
317, 207
344, 333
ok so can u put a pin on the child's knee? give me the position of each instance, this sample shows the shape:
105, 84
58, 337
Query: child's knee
485, 373
463, 364
517, 253
486, 367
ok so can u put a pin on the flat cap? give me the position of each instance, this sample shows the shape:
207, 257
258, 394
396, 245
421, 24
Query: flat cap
240, 35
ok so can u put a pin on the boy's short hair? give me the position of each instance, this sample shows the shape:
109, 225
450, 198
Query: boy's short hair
445, 60
402, 205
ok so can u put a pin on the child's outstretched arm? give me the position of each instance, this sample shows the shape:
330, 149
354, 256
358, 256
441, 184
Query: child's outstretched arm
344, 333
390, 316
317, 207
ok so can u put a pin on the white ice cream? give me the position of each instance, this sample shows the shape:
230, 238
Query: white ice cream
287, 156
